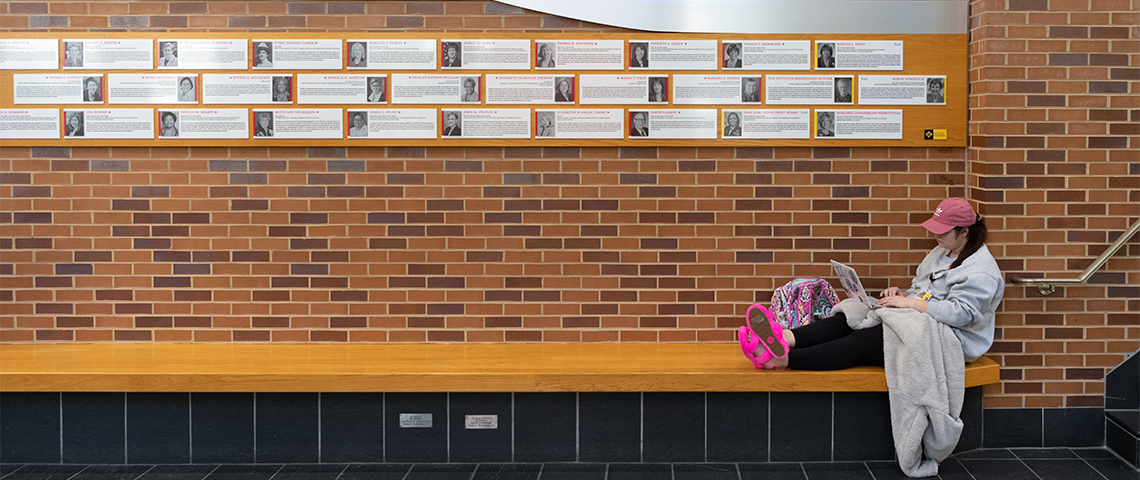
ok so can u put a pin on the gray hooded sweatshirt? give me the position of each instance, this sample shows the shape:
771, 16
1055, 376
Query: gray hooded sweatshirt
964, 298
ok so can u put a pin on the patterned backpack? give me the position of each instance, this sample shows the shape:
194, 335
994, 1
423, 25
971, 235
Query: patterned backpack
802, 300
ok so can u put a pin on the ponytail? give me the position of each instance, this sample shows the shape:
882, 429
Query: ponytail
975, 238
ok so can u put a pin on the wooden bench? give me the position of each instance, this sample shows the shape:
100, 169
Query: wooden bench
626, 367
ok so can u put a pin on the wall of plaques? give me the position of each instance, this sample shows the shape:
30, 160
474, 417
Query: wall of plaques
296, 89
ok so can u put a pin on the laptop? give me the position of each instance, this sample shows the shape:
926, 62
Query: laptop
851, 284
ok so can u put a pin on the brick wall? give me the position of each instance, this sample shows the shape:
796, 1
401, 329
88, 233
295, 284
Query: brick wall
524, 244
1055, 136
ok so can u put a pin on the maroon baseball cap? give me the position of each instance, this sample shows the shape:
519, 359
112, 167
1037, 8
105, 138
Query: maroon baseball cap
952, 212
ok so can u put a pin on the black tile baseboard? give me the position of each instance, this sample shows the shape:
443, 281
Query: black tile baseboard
346, 428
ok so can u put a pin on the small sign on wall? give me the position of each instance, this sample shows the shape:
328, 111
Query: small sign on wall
415, 420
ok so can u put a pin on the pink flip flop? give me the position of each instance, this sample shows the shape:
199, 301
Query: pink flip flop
749, 343
769, 332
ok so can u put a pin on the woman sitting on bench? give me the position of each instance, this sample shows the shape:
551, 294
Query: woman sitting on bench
958, 284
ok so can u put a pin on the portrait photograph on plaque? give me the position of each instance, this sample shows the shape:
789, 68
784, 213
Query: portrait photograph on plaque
167, 124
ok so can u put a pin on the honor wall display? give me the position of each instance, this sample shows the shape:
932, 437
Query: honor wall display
547, 89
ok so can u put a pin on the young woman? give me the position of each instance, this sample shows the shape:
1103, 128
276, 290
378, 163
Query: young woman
958, 284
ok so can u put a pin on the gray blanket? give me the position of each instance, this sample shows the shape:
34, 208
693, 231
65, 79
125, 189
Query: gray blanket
926, 378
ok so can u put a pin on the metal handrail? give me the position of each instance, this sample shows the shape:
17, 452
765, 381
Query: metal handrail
1047, 286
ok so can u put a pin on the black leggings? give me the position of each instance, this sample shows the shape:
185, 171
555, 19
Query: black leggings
829, 344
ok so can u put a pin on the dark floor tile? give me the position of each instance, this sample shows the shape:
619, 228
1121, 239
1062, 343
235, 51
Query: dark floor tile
45, 472
507, 471
998, 469
244, 472
1061, 469
991, 453
640, 471
377, 471
415, 444
288, 428
480, 444
801, 427
221, 427
302, 471
737, 426
112, 472
33, 419
772, 471
952, 469
1051, 453
609, 427
179, 472
438, 471
546, 427
705, 471
158, 428
674, 427
1114, 468
93, 427
6, 468
863, 427
1099, 452
837, 471
573, 471
891, 470
352, 427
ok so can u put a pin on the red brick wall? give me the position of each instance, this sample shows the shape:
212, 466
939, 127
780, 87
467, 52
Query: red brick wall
526, 244
1055, 162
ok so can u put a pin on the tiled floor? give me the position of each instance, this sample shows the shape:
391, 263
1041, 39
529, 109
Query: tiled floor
998, 464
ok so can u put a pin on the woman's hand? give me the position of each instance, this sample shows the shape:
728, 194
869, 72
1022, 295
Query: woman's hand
901, 301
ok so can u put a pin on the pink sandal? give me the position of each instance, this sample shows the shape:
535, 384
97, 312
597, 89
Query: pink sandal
767, 329
749, 343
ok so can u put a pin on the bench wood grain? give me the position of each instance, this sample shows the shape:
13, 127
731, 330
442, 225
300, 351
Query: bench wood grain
628, 367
